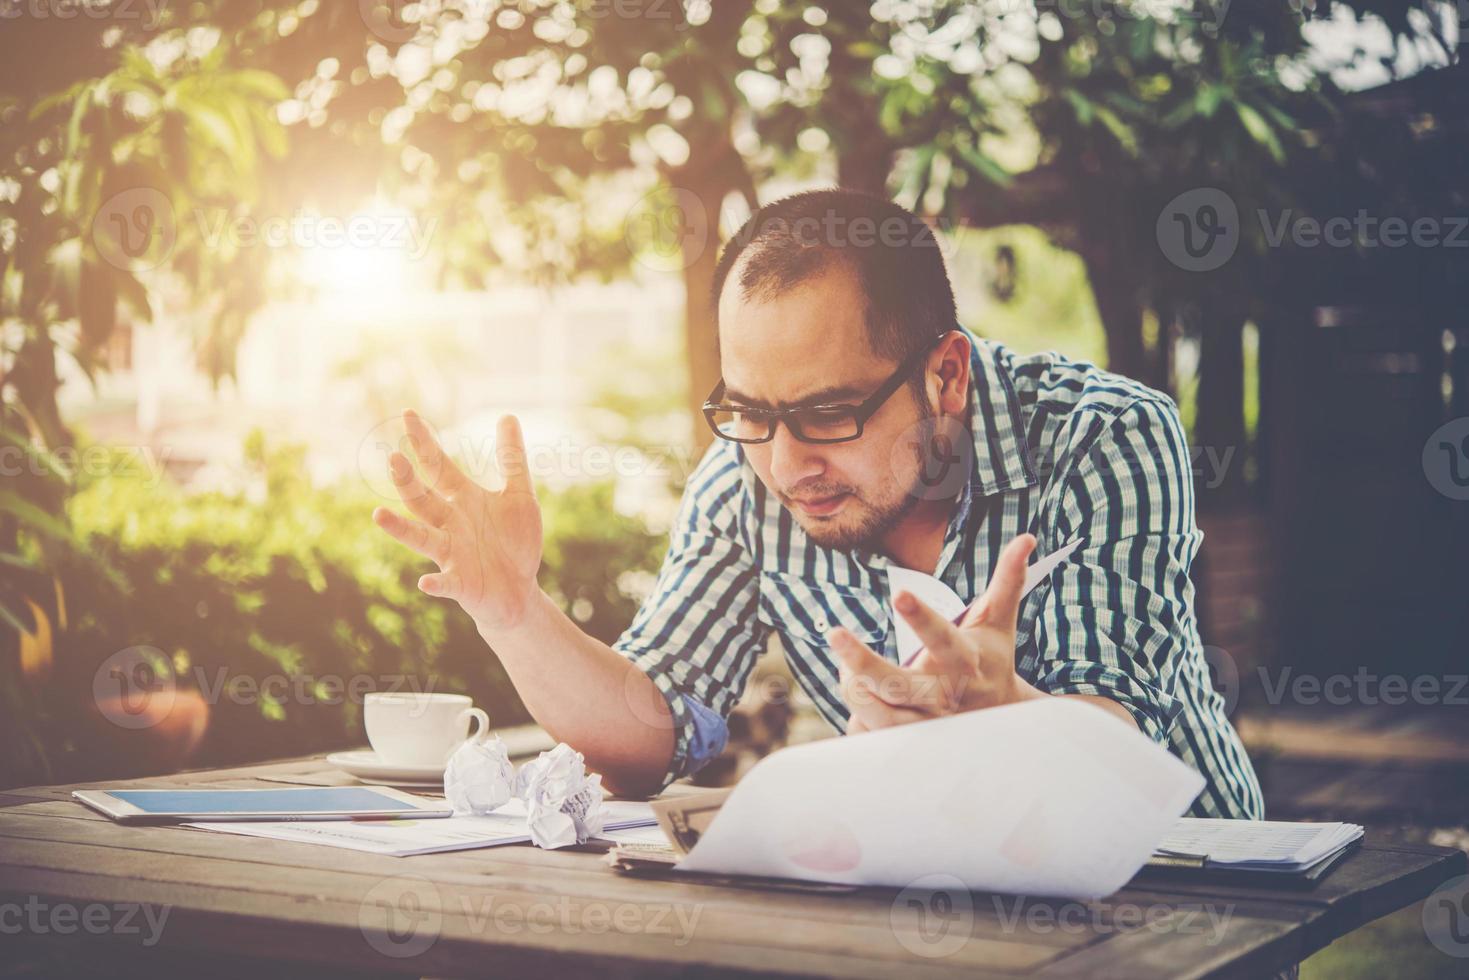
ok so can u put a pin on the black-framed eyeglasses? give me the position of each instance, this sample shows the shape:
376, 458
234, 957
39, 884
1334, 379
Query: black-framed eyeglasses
814, 423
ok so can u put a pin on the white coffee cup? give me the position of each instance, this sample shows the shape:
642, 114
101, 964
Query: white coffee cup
419, 729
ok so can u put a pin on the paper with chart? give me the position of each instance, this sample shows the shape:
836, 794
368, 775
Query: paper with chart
1049, 797
943, 600
406, 837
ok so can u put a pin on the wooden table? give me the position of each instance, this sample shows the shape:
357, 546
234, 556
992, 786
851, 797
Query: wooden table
270, 909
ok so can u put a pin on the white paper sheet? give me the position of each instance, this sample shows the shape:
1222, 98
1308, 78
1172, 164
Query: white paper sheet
943, 600
931, 592
1047, 797
402, 838
1258, 842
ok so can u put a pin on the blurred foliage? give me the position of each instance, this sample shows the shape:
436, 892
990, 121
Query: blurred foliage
290, 584
527, 126
1018, 288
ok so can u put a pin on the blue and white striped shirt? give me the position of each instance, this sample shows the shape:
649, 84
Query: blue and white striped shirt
1062, 450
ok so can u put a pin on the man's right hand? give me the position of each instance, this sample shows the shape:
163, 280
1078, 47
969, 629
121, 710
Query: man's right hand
487, 543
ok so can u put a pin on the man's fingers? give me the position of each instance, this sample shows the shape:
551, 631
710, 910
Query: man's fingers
418, 498
510, 455
941, 638
868, 710
857, 660
440, 470
429, 542
869, 677
440, 584
1001, 601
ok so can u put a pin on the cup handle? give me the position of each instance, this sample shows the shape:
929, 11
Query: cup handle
482, 731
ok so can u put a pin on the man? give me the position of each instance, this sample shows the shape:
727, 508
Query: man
860, 428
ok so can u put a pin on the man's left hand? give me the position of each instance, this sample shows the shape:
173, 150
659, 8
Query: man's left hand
961, 668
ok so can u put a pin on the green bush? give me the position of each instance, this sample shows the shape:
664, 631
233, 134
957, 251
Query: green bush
291, 585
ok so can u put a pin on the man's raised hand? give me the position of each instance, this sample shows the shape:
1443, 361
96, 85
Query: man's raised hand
487, 543
961, 668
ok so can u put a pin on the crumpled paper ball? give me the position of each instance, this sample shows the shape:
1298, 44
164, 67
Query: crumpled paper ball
563, 804
478, 777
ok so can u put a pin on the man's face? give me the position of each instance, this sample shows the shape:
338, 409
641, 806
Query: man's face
808, 346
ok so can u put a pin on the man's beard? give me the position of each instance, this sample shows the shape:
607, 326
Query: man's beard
868, 533
880, 519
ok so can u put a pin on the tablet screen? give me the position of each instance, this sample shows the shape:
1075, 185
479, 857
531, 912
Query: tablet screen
330, 799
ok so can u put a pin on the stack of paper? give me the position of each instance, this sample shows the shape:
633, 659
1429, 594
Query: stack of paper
1052, 797
402, 838
1256, 845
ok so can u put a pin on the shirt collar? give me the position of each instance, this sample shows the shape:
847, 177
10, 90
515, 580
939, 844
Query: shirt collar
1002, 458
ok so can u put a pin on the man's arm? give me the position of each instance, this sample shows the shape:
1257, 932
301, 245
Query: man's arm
487, 544
1117, 619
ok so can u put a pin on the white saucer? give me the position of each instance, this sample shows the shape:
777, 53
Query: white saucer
366, 766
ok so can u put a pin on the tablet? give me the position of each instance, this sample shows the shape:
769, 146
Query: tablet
306, 803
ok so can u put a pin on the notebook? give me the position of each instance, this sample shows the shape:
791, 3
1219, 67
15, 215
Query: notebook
1267, 846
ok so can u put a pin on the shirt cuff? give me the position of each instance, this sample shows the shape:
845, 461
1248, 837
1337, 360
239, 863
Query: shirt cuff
709, 734
699, 732
1154, 711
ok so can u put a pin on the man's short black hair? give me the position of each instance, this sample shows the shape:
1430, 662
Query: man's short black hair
892, 252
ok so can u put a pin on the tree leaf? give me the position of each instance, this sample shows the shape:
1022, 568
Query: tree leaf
1260, 130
